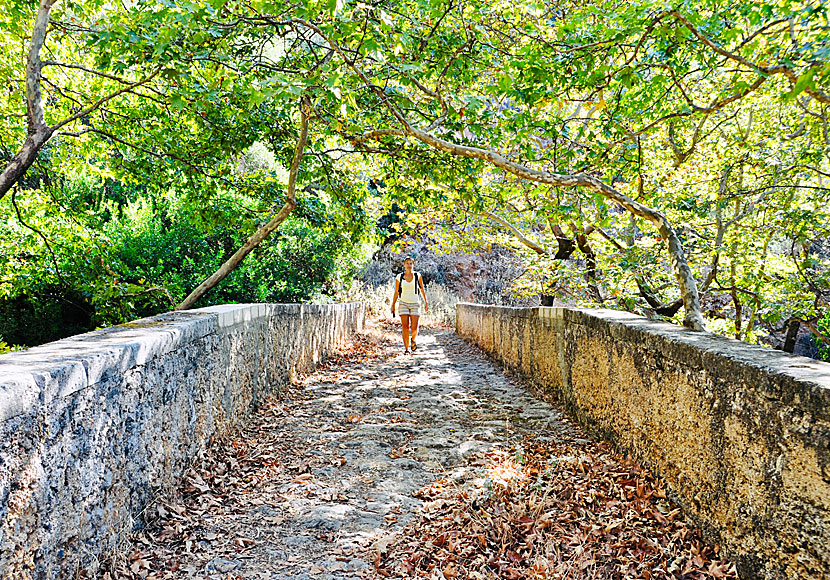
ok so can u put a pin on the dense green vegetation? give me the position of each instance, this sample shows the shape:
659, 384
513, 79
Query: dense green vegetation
666, 158
139, 254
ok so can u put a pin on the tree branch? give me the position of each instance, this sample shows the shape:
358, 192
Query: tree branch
290, 204
46, 63
524, 240
765, 70
103, 100
683, 274
42, 236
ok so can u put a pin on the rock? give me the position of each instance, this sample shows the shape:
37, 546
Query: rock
222, 566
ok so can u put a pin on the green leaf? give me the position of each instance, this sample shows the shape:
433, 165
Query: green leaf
257, 97
804, 81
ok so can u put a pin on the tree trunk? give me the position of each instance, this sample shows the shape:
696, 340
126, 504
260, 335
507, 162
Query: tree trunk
565, 245
233, 262
590, 265
24, 159
291, 203
38, 132
792, 334
739, 311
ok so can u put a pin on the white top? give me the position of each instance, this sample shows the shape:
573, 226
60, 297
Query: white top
409, 293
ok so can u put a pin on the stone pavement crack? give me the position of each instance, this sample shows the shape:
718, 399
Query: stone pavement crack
322, 479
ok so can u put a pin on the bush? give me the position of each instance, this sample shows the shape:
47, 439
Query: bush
297, 263
823, 326
153, 256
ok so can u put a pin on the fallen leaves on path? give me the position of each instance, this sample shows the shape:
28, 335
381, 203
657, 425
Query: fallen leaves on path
206, 529
564, 509
551, 510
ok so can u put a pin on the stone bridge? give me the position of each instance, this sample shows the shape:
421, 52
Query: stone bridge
95, 427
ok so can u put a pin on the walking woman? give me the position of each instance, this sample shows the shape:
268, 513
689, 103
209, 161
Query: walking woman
408, 286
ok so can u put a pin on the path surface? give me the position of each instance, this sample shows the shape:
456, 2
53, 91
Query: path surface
322, 480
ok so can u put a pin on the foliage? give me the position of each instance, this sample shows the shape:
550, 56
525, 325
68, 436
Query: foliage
617, 90
824, 327
713, 115
137, 259
5, 347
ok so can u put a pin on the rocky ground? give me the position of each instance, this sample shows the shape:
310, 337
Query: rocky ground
434, 465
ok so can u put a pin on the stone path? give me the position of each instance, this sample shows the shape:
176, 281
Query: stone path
395, 425
319, 483
370, 433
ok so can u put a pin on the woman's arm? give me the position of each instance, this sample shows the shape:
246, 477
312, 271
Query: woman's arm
423, 293
395, 295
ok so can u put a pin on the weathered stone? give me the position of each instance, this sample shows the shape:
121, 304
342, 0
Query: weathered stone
741, 433
222, 566
94, 426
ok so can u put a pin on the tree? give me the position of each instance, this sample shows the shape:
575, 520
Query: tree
667, 37
578, 98
39, 132
173, 58
267, 229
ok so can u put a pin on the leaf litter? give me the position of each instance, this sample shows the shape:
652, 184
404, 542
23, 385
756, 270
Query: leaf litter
562, 508
547, 509
204, 531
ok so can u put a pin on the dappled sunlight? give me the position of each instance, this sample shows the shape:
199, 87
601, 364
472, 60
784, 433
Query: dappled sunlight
503, 470
543, 509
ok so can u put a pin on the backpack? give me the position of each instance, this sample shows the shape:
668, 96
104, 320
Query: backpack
414, 279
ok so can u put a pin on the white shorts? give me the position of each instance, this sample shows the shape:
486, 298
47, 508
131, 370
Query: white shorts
408, 308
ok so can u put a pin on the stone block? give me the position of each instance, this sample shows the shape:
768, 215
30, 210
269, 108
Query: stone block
229, 316
19, 393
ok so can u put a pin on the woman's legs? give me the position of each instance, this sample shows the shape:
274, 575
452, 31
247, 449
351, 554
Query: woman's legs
405, 329
414, 328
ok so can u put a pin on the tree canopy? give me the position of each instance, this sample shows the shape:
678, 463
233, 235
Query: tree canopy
678, 149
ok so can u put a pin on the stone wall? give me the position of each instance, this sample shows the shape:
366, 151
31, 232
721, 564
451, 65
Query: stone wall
741, 433
94, 426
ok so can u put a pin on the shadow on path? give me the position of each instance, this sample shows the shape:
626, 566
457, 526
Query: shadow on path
320, 482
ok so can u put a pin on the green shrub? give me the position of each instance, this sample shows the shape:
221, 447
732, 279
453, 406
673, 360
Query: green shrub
823, 326
153, 256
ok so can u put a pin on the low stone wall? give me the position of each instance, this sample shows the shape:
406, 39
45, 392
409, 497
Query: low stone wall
741, 433
94, 426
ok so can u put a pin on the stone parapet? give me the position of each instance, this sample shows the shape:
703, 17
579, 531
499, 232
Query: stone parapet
741, 433
94, 426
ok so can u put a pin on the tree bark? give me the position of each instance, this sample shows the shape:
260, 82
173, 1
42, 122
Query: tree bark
565, 245
290, 204
590, 263
38, 132
659, 307
792, 332
24, 159
34, 106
